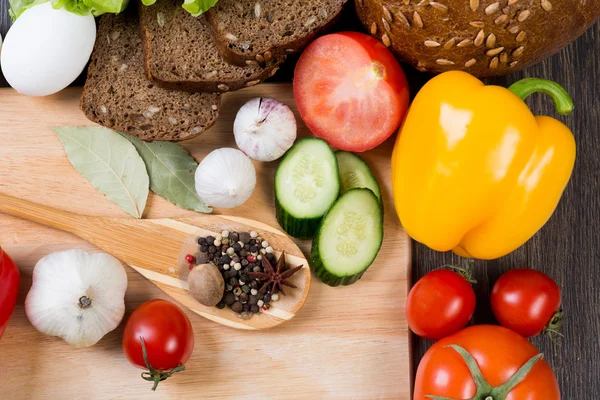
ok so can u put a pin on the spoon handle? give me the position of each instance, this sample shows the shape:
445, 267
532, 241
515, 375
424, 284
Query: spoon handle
44, 215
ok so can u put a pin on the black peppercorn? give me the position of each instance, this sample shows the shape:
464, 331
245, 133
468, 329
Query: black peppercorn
201, 241
216, 260
235, 259
244, 298
210, 240
231, 273
229, 298
253, 249
247, 247
254, 285
237, 307
236, 247
245, 262
271, 257
254, 308
244, 276
252, 299
212, 249
235, 236
267, 298
225, 259
221, 305
245, 307
243, 253
204, 248
252, 242
233, 281
251, 265
245, 237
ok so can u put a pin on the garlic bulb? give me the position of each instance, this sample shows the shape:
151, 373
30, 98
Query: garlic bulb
264, 129
225, 178
77, 296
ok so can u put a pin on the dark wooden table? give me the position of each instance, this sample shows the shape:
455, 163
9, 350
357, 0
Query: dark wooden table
568, 247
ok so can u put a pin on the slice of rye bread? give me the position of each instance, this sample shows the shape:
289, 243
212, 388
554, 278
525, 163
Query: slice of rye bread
180, 53
257, 30
117, 94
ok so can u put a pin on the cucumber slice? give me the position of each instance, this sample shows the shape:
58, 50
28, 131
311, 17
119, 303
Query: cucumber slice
355, 173
306, 186
348, 239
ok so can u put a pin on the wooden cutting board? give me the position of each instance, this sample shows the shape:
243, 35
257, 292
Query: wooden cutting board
345, 343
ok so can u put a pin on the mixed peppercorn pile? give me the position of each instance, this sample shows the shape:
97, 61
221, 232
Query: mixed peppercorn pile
246, 262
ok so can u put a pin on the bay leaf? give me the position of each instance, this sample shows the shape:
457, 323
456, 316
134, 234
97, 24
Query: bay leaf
111, 164
172, 172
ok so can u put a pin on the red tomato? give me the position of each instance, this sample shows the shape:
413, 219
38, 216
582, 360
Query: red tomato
9, 289
527, 301
439, 304
498, 352
350, 90
168, 339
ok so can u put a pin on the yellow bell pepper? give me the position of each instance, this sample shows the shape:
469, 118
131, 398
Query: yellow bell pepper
474, 171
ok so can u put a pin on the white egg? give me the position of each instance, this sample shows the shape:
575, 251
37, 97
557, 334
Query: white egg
46, 49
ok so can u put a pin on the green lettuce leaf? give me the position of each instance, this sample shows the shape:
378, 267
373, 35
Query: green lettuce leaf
79, 7
197, 7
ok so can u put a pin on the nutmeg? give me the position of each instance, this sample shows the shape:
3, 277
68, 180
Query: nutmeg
206, 284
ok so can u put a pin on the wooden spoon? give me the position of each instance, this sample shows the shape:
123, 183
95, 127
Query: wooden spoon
156, 248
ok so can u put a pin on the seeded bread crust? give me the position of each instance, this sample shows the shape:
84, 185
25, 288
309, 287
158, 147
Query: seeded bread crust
256, 31
117, 94
482, 37
180, 53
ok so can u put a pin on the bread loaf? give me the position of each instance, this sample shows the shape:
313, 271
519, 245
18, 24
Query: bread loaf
117, 94
482, 37
181, 54
257, 31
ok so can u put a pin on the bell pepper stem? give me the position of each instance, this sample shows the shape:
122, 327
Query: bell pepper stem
562, 101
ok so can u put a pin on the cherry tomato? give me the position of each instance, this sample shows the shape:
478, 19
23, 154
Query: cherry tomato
498, 353
350, 90
9, 289
527, 301
165, 332
439, 304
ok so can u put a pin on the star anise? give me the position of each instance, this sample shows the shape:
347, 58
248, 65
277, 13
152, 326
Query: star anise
275, 278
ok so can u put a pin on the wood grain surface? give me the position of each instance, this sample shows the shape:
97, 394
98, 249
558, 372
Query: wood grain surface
568, 247
345, 343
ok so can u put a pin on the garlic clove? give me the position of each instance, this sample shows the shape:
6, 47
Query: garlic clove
225, 178
265, 129
77, 296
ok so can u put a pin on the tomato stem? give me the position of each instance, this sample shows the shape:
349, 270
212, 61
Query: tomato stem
553, 327
484, 390
465, 270
154, 375
500, 392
